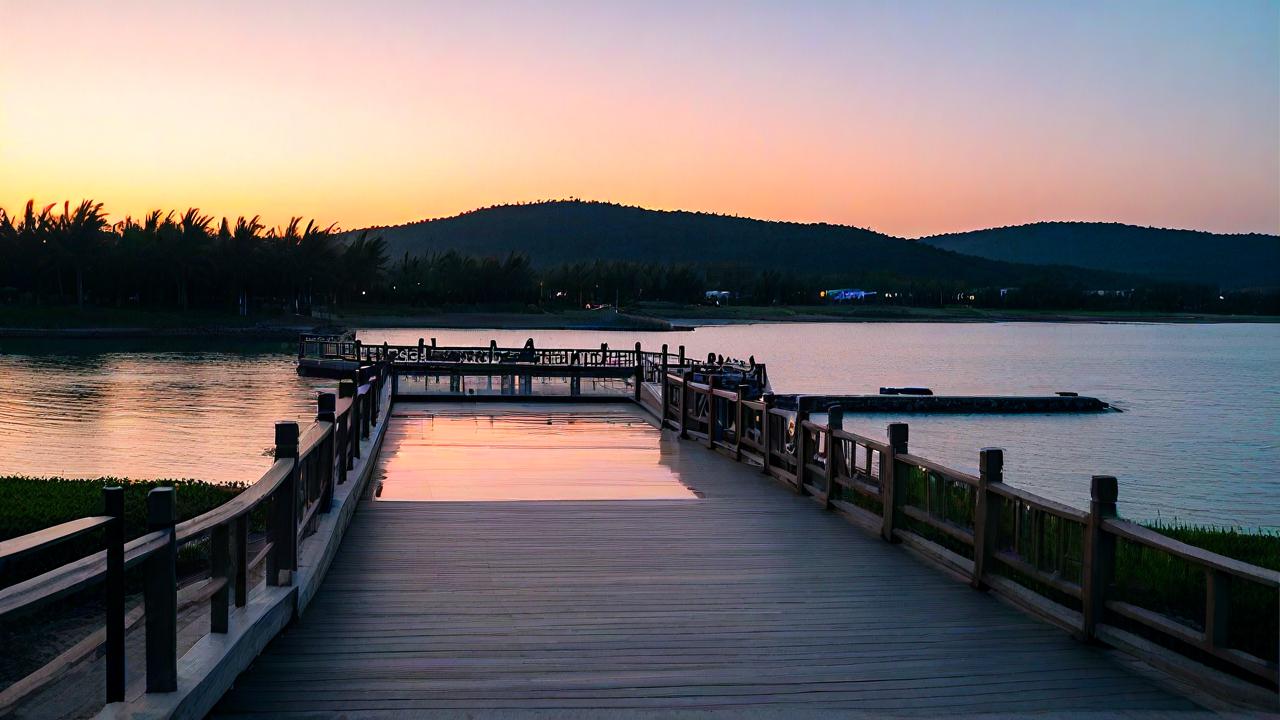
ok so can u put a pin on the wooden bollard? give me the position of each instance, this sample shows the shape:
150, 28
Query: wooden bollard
282, 560
160, 595
890, 483
681, 356
986, 513
1099, 553
422, 349
113, 591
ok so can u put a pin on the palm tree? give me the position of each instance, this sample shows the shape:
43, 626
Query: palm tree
316, 255
81, 234
193, 234
363, 262
239, 246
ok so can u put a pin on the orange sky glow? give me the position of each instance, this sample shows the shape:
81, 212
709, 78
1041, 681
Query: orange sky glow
912, 119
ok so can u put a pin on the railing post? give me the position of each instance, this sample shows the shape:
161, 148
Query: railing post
986, 512
283, 559
835, 421
803, 406
1099, 553
351, 430
665, 392
1217, 608
220, 569
684, 405
113, 505
639, 372
765, 439
422, 349
326, 411
242, 560
713, 382
160, 595
681, 357
356, 346
891, 486
493, 349
737, 425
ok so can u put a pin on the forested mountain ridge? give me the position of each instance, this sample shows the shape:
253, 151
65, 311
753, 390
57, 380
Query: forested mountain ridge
1189, 256
564, 232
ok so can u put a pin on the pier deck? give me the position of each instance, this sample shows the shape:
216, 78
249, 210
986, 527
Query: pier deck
738, 597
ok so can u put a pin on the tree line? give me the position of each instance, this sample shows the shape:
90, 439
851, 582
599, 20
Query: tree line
76, 255
178, 260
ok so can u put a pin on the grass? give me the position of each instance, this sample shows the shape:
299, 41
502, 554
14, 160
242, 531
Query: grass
28, 504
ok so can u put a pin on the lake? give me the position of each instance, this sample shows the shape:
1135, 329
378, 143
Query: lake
1199, 438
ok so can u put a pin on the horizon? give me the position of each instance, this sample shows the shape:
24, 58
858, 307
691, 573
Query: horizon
340, 229
910, 120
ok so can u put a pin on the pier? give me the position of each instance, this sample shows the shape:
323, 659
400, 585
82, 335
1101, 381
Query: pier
601, 530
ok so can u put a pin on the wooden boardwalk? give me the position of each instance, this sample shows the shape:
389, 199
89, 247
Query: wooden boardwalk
749, 600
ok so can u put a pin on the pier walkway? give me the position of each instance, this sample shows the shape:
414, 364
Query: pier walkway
702, 585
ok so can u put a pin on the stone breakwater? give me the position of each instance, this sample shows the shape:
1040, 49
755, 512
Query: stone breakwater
945, 403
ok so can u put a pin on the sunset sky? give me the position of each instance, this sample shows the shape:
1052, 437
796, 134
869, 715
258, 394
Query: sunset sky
911, 118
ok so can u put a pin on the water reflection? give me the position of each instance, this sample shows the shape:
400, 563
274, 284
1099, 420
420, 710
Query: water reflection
524, 452
86, 409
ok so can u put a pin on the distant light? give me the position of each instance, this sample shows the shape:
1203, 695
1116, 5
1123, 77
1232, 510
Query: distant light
362, 292
1220, 297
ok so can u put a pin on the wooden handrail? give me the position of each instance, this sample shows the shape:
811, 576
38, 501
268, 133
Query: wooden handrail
74, 576
916, 460
238, 506
1065, 512
40, 539
1198, 556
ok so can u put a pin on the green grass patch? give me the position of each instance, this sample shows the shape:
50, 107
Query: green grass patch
28, 504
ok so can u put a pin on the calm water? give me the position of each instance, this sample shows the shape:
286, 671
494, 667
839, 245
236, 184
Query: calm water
1199, 439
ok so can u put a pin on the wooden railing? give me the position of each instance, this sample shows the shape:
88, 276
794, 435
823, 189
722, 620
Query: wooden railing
1057, 561
294, 491
342, 348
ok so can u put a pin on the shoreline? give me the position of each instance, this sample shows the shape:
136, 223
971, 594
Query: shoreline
673, 319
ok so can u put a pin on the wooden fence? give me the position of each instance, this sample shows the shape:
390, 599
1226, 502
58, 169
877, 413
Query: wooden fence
297, 487
1057, 561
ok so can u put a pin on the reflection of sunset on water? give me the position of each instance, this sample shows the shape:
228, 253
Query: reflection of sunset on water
523, 452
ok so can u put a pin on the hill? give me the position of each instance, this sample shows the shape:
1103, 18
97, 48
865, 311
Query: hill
560, 232
1229, 261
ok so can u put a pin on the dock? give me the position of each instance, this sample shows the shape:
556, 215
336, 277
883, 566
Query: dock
551, 532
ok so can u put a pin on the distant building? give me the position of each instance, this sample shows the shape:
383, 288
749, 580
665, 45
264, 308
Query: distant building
718, 296
845, 294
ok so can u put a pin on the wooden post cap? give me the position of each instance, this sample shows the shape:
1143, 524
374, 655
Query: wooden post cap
286, 436
346, 388
161, 509
326, 402
898, 435
113, 501
1104, 489
835, 417
991, 461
